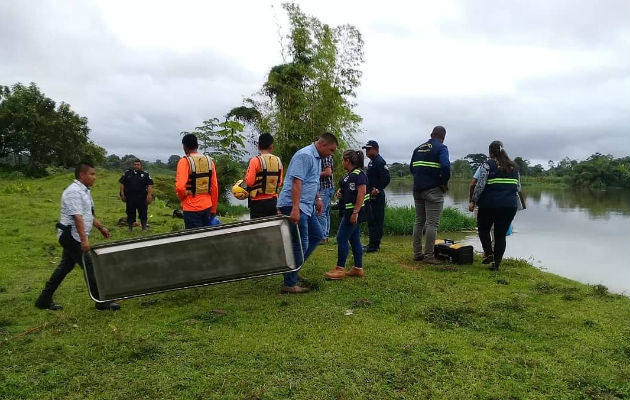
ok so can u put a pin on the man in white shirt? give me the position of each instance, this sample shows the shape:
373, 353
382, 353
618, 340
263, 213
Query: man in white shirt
74, 226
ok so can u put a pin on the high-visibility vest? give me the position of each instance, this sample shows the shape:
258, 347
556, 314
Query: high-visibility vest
501, 188
348, 187
200, 174
268, 177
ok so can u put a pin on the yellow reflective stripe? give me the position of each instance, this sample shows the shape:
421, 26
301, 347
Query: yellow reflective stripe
356, 171
348, 206
426, 164
502, 180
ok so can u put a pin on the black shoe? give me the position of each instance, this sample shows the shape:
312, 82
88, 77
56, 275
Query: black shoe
368, 249
488, 259
493, 267
111, 306
50, 306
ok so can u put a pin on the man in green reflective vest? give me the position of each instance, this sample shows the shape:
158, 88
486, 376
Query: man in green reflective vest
431, 171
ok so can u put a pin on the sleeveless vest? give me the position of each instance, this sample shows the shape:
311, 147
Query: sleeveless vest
200, 174
349, 193
268, 177
500, 190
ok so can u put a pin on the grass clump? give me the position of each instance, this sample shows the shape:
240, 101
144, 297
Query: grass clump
400, 221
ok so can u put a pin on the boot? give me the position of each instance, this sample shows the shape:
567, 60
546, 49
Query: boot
144, 225
44, 302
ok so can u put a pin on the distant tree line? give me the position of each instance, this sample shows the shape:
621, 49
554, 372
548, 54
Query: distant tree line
36, 132
597, 171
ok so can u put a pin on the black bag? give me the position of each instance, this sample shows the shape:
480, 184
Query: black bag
457, 253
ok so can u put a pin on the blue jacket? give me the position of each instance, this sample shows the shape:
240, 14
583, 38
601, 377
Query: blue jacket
430, 165
501, 187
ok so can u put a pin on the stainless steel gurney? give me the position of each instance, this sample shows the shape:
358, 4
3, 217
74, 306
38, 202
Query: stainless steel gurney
191, 258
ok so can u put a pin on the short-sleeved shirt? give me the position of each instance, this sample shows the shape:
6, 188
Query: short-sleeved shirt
326, 182
477, 174
305, 166
76, 200
136, 182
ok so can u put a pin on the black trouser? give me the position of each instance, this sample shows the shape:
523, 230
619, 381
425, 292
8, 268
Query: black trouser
71, 255
501, 218
263, 208
376, 219
139, 203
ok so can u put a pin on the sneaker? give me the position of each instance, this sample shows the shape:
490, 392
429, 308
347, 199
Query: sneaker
294, 289
356, 272
431, 260
110, 306
336, 273
488, 259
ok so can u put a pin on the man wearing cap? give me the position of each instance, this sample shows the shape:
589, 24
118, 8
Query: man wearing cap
431, 171
378, 179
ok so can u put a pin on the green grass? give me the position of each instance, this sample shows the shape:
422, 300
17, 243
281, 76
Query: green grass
400, 220
405, 331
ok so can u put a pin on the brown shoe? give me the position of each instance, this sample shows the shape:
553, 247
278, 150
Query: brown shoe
356, 272
431, 260
336, 273
294, 289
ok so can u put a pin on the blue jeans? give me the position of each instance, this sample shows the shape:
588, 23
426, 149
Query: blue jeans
196, 219
324, 219
309, 238
349, 233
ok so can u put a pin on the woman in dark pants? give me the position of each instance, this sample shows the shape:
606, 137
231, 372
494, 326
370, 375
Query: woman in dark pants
352, 196
496, 195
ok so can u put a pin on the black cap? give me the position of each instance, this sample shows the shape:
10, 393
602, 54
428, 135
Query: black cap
371, 143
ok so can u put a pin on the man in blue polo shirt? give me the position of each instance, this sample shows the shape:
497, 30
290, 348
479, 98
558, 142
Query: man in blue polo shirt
300, 200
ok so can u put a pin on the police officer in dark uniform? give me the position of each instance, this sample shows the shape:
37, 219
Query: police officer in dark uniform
136, 187
378, 179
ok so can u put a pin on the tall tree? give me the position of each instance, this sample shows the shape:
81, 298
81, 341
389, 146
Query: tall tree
313, 91
173, 159
34, 128
476, 159
523, 165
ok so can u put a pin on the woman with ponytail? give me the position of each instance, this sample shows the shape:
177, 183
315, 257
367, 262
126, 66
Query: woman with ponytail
496, 195
352, 196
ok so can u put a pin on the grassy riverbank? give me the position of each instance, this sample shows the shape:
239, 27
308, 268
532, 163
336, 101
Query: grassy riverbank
404, 331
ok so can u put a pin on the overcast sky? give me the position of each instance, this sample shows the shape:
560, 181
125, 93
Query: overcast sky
549, 78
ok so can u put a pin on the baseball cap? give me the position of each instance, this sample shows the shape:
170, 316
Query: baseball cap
371, 143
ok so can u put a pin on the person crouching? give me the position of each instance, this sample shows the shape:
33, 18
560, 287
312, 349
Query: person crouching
352, 196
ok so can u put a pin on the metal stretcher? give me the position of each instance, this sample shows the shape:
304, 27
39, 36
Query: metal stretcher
191, 258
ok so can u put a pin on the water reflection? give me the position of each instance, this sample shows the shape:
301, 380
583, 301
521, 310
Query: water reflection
597, 203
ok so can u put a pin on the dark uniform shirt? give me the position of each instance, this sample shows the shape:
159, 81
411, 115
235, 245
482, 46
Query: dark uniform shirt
377, 174
136, 182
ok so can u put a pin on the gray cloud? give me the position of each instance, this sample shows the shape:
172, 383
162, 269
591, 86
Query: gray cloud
139, 100
561, 22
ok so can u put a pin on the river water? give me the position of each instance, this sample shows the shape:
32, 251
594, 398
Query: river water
580, 234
